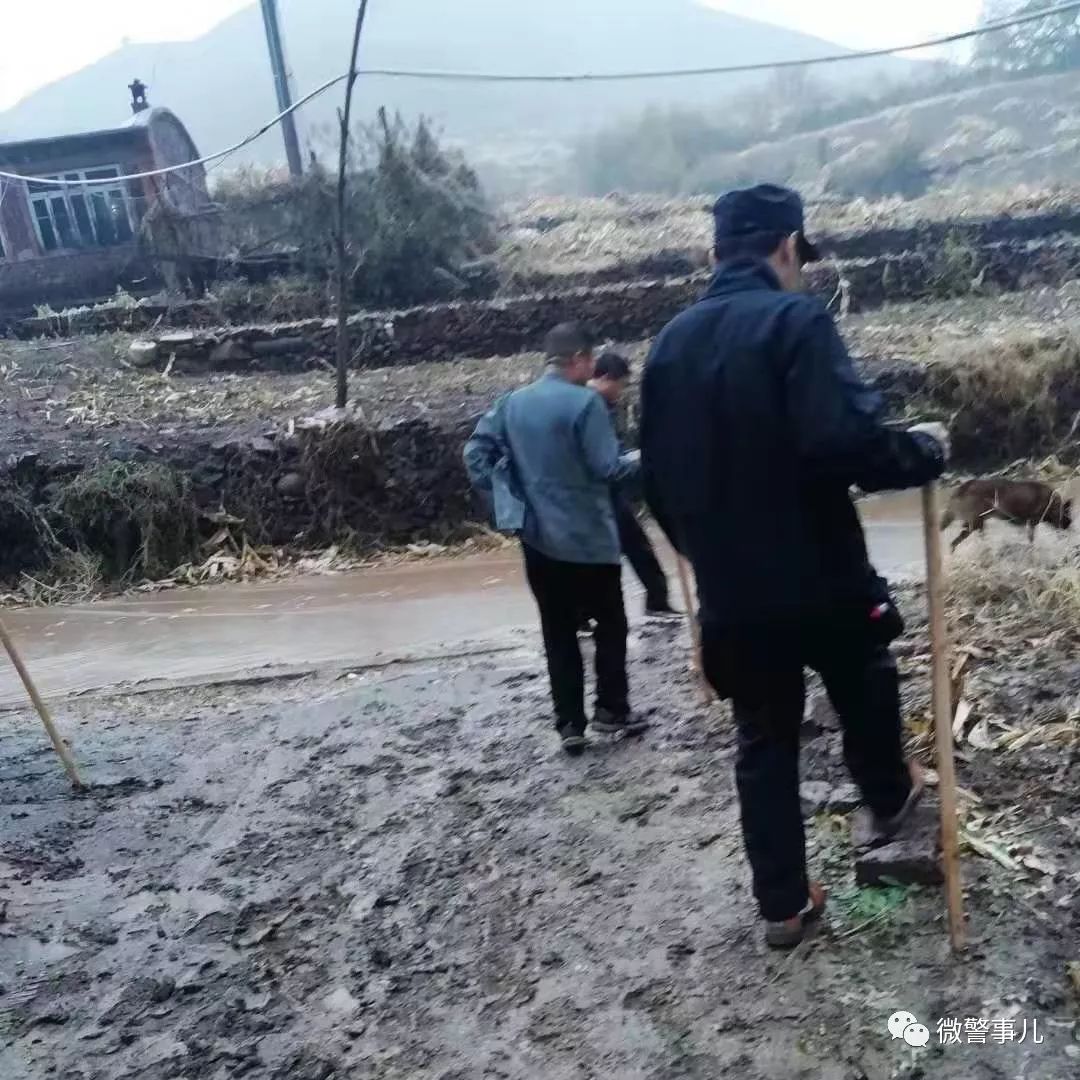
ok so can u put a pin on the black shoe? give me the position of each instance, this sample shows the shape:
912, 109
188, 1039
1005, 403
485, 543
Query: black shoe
573, 741
607, 723
886, 829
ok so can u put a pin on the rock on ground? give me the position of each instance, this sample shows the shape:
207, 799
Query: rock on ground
913, 858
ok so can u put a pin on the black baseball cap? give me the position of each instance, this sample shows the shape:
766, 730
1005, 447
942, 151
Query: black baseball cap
766, 208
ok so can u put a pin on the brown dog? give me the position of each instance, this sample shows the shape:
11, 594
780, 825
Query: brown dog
1021, 502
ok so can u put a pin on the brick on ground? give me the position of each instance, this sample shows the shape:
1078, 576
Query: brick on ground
913, 858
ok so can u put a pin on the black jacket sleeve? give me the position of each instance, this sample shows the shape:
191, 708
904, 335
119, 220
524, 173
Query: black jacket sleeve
837, 421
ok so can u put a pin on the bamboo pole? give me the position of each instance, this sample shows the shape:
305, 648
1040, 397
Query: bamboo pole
696, 663
943, 727
42, 708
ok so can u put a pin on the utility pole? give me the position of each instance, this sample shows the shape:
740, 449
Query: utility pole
281, 84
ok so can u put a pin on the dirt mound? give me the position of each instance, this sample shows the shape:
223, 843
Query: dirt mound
137, 518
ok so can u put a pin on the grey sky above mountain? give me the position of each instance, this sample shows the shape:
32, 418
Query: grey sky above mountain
80, 33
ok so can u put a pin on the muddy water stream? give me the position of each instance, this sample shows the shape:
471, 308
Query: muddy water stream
370, 616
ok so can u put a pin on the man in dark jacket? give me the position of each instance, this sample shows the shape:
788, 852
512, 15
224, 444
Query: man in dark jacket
754, 427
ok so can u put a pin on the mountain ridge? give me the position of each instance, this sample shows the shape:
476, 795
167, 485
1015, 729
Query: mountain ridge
232, 94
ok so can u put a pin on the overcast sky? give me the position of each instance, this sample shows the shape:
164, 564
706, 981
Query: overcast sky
46, 39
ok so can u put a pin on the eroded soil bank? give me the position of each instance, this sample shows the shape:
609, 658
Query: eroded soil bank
399, 877
398, 477
1003, 371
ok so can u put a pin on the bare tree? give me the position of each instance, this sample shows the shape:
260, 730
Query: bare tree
344, 116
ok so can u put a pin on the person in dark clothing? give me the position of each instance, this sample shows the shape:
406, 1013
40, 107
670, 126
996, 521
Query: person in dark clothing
754, 428
546, 456
611, 377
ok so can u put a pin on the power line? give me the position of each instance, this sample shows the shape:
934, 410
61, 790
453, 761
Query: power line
734, 69
623, 76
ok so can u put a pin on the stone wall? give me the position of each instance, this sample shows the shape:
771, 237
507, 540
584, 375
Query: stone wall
441, 332
68, 277
928, 236
870, 243
619, 312
882, 265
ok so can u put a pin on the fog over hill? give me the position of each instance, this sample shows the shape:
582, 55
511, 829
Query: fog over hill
220, 84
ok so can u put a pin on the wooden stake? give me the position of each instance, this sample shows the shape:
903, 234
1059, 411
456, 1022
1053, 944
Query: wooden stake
696, 663
943, 726
42, 708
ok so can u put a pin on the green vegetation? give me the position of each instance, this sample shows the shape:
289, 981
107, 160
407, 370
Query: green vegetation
138, 520
115, 522
862, 908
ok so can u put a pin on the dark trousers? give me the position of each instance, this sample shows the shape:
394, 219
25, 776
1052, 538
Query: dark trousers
564, 591
768, 692
639, 551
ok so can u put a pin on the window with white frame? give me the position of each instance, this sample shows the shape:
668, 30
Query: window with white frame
87, 212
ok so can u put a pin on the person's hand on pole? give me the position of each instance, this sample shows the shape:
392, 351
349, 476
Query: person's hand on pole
938, 432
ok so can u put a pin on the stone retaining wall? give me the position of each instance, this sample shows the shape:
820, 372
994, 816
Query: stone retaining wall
442, 332
619, 312
924, 241
930, 235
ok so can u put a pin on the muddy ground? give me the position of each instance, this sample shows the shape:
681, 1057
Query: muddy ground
397, 875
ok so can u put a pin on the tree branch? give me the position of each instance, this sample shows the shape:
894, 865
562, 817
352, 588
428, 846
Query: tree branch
342, 263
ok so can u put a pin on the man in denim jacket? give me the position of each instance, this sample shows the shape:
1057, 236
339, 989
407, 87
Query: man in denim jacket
545, 457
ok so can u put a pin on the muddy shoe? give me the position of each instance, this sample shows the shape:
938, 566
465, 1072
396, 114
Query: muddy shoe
573, 741
885, 829
790, 932
607, 723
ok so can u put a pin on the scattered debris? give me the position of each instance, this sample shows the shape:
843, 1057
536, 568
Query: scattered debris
813, 796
